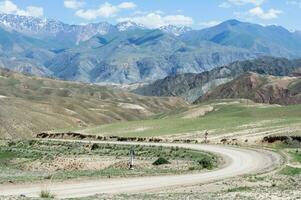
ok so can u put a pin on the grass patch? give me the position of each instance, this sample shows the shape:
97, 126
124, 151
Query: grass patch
290, 171
5, 155
45, 194
230, 118
15, 155
296, 156
239, 189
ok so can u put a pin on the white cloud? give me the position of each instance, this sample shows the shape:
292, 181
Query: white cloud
269, 14
154, 20
34, 11
230, 3
74, 4
225, 5
104, 10
294, 2
127, 5
209, 23
8, 7
244, 2
159, 12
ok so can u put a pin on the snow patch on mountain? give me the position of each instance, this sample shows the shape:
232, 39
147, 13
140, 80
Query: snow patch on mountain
175, 30
129, 25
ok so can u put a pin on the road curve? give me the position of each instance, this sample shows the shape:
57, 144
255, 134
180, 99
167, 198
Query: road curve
239, 161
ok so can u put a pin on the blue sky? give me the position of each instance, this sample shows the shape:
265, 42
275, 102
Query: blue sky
154, 13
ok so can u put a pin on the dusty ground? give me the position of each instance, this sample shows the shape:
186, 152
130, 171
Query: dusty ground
197, 112
248, 134
82, 163
271, 186
239, 162
248, 188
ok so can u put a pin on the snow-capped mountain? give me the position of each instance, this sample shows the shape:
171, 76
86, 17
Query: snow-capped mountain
103, 52
175, 30
31, 25
34, 26
129, 25
42, 28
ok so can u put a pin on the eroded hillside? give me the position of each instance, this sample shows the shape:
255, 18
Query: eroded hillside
31, 104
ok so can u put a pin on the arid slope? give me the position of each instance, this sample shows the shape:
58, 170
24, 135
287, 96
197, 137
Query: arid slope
259, 88
29, 105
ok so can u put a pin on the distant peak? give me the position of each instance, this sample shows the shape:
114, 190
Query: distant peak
175, 30
232, 22
127, 25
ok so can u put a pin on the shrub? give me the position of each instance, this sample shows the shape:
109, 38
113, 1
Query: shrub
161, 161
94, 146
46, 194
11, 143
239, 189
206, 162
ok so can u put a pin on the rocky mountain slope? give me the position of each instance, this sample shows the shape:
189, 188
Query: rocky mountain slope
259, 88
30, 104
61, 32
130, 53
262, 40
137, 56
192, 86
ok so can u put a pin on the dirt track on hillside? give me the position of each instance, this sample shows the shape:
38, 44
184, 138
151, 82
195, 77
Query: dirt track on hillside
238, 161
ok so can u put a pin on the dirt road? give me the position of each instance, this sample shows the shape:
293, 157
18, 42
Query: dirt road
238, 161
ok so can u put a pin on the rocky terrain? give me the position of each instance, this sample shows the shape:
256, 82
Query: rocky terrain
192, 86
259, 88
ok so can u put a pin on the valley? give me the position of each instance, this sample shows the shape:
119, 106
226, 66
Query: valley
90, 129
122, 109
240, 120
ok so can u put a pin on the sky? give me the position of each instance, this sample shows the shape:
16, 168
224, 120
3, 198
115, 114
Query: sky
155, 13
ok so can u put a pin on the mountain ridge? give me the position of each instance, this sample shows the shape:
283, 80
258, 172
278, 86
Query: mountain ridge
259, 88
128, 52
192, 86
271, 39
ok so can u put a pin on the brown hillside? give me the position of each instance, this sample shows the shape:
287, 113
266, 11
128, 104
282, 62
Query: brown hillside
259, 88
29, 105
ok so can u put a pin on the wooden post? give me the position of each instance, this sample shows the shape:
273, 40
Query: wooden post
132, 156
206, 137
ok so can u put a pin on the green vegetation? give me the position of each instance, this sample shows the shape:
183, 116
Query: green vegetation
239, 189
228, 116
291, 171
206, 162
161, 161
46, 194
296, 156
32, 160
295, 86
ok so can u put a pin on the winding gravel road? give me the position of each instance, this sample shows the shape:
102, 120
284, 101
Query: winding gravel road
238, 161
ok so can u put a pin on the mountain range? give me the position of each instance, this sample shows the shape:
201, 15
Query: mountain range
192, 87
131, 53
